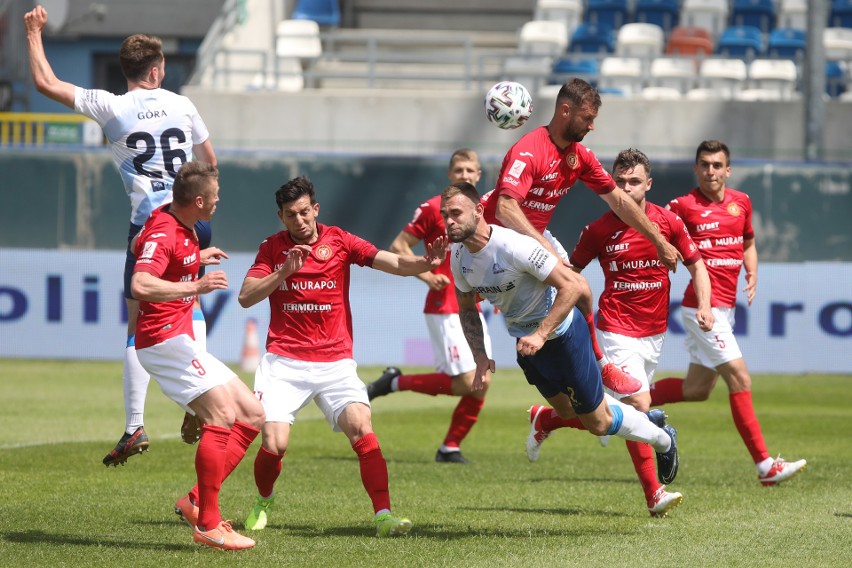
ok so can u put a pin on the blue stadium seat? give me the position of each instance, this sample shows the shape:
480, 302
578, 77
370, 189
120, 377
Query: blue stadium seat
323, 12
787, 42
835, 79
757, 13
582, 67
740, 41
593, 38
663, 13
612, 13
841, 14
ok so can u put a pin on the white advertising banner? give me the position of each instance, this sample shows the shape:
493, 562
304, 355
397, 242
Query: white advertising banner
70, 305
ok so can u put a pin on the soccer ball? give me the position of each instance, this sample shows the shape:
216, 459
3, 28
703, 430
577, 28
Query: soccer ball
508, 105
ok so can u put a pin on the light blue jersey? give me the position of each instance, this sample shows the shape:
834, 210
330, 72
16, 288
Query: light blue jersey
151, 134
510, 272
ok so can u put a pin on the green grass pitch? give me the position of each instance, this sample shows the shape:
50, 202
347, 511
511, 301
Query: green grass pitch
579, 505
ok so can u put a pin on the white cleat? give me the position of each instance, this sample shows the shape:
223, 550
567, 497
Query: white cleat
663, 502
537, 435
781, 471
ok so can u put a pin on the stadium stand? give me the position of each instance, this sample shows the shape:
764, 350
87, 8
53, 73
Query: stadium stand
297, 44
543, 37
837, 43
711, 15
689, 40
835, 78
757, 13
612, 13
793, 14
673, 73
725, 76
740, 41
663, 13
623, 74
660, 94
323, 12
640, 40
593, 38
841, 14
583, 67
787, 42
569, 12
779, 75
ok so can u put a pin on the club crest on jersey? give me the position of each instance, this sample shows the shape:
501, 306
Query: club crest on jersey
734, 209
572, 161
323, 252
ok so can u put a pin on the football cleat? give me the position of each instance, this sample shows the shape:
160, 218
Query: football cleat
450, 457
667, 462
187, 510
781, 471
190, 430
223, 537
618, 381
657, 416
128, 445
259, 515
388, 526
663, 502
537, 435
382, 385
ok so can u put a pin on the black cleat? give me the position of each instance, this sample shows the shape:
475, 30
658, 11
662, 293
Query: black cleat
382, 385
450, 457
667, 462
657, 417
128, 445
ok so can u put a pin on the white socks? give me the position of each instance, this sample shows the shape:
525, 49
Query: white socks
636, 426
135, 381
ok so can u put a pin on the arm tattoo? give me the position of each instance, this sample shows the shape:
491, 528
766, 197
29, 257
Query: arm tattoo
472, 325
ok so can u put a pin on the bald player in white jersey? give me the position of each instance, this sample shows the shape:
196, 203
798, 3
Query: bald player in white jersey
152, 132
537, 295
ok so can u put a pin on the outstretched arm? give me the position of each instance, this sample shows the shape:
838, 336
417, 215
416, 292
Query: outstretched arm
254, 289
475, 336
146, 286
409, 265
402, 244
44, 78
627, 210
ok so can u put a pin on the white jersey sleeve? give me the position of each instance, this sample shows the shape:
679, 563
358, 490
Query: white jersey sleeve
151, 134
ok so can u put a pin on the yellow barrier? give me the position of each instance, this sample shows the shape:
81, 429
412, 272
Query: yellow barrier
39, 128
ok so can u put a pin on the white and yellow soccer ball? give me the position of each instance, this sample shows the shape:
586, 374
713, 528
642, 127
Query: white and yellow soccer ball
508, 105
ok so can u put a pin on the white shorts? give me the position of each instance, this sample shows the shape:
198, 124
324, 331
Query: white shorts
560, 250
183, 369
636, 356
284, 386
449, 347
711, 348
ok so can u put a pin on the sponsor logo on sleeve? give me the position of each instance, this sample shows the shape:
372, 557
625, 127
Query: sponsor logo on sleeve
517, 168
538, 257
148, 250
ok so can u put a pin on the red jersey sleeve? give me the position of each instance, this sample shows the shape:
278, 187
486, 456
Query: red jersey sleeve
680, 238
748, 229
586, 249
593, 173
361, 252
516, 173
154, 246
424, 218
263, 265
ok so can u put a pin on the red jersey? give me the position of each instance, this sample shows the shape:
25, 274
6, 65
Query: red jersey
635, 301
537, 174
169, 250
719, 230
427, 225
310, 316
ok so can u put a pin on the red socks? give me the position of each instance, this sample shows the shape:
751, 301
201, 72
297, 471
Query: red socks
242, 435
551, 421
643, 462
746, 422
590, 321
267, 468
429, 383
464, 417
209, 467
666, 390
374, 471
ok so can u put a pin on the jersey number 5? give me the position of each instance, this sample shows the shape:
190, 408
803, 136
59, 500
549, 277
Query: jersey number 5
169, 155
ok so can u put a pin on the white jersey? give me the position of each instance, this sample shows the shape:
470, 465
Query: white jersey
510, 272
151, 132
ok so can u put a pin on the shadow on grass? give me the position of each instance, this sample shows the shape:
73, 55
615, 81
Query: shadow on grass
572, 479
437, 533
551, 511
41, 537
847, 515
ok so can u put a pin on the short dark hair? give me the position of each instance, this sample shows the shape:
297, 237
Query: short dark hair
711, 147
138, 54
191, 181
293, 190
630, 158
461, 188
579, 93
